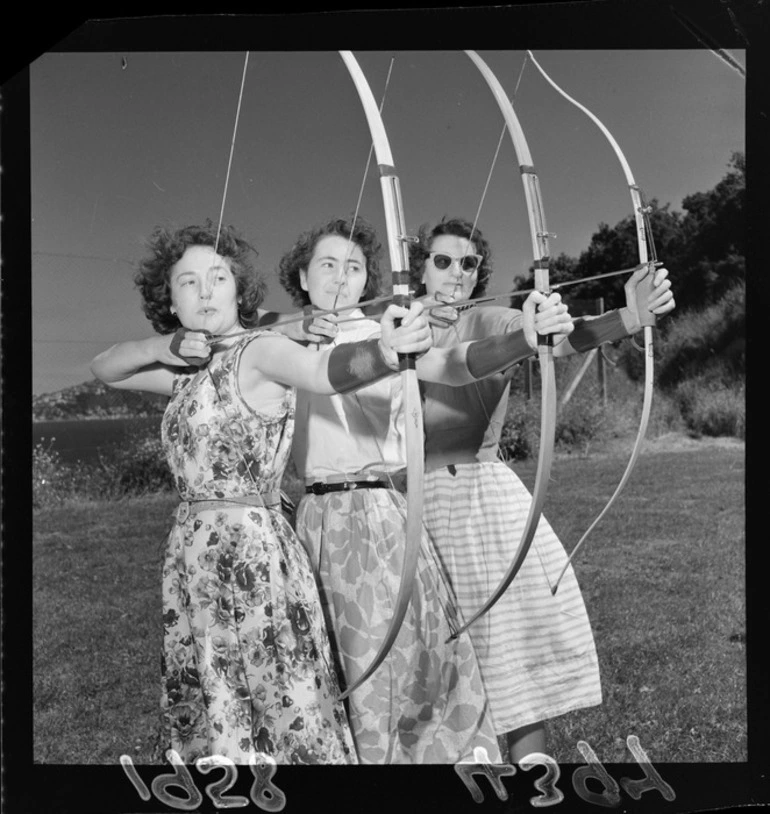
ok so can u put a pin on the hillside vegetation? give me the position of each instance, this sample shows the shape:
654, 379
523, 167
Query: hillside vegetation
94, 399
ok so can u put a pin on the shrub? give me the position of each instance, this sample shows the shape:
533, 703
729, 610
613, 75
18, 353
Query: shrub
584, 419
708, 342
577, 423
521, 428
581, 420
629, 356
49, 479
139, 467
710, 407
687, 345
666, 415
134, 467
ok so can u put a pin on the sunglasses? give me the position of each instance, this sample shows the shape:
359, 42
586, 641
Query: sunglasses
468, 263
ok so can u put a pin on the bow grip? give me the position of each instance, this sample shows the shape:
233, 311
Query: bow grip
546, 340
193, 361
542, 284
644, 293
406, 361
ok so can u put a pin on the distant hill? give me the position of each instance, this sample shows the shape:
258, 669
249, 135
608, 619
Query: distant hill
94, 399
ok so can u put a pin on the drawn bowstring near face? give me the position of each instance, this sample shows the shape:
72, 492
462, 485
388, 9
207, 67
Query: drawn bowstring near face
452, 267
336, 274
210, 279
345, 268
204, 291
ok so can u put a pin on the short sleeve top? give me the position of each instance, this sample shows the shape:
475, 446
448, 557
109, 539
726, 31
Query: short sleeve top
463, 424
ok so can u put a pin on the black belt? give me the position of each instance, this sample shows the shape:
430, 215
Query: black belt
346, 486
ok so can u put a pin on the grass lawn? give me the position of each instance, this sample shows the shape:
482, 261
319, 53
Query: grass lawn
662, 577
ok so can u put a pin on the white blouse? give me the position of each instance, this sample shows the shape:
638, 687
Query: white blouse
356, 436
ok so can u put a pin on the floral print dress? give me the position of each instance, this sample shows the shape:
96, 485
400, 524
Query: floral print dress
246, 666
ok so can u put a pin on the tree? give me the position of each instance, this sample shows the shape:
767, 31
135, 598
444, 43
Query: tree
703, 249
715, 236
613, 248
562, 268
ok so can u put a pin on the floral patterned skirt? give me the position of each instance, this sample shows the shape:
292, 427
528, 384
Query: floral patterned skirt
246, 664
426, 702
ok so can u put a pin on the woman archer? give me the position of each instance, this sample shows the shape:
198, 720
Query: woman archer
535, 649
246, 665
426, 702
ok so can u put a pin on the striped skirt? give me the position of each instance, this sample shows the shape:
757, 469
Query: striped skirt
536, 651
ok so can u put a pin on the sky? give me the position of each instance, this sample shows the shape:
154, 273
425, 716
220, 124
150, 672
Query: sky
122, 141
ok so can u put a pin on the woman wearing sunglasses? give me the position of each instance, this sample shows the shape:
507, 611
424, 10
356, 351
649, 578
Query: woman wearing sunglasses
535, 650
426, 702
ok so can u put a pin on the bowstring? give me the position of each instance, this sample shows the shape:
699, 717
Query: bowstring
209, 275
344, 267
349, 250
363, 412
474, 227
502, 455
451, 609
222, 402
494, 160
210, 278
343, 275
652, 262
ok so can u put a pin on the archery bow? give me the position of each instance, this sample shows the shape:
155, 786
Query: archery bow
399, 261
646, 250
524, 291
539, 235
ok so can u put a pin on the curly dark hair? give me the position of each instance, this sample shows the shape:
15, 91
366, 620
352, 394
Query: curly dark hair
301, 253
167, 246
419, 252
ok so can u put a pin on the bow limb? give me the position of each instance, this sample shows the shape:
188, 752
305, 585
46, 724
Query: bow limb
399, 259
539, 235
646, 317
399, 262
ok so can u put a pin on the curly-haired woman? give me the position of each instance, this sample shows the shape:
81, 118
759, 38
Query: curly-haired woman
246, 662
